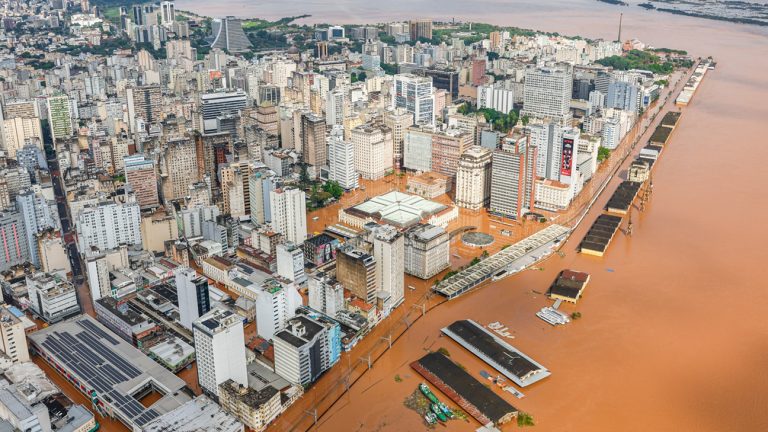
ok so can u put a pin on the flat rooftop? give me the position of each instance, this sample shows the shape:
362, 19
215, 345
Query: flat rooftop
199, 414
600, 234
505, 358
623, 197
466, 391
116, 372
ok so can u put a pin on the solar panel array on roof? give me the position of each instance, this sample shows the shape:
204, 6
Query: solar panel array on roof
98, 366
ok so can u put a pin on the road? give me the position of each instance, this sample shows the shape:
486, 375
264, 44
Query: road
318, 399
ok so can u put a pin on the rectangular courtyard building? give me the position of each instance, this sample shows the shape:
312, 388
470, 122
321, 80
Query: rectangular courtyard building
112, 373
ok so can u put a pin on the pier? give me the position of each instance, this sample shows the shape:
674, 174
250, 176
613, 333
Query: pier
467, 392
505, 358
512, 259
600, 235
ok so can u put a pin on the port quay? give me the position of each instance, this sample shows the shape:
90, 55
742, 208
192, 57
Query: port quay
510, 261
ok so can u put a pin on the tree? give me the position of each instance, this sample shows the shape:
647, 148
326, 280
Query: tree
333, 188
525, 120
603, 153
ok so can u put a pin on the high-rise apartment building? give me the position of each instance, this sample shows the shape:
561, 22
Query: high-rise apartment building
306, 348
547, 93
341, 160
372, 150
141, 175
420, 29
145, 105
13, 339
326, 295
108, 225
416, 95
194, 298
262, 182
313, 145
513, 187
219, 349
289, 213
473, 178
356, 270
18, 132
398, 120
60, 117
276, 303
181, 169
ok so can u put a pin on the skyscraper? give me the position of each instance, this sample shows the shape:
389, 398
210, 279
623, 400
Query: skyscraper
513, 188
276, 303
313, 144
356, 270
60, 117
145, 103
289, 213
389, 252
140, 174
473, 178
547, 93
181, 170
194, 299
262, 182
228, 35
372, 150
416, 95
398, 120
220, 349
341, 160
14, 248
109, 225
421, 28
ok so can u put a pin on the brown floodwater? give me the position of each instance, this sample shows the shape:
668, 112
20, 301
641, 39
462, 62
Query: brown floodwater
672, 336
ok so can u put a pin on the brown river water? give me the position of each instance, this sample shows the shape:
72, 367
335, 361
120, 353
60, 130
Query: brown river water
673, 336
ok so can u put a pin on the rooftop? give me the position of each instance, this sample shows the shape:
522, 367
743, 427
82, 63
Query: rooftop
112, 369
397, 208
199, 414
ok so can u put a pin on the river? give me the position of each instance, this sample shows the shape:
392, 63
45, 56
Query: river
672, 336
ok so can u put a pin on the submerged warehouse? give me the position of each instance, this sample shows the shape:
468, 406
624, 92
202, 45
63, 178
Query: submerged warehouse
622, 198
600, 235
505, 358
467, 392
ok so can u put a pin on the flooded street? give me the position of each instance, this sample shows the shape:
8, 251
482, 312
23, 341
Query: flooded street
672, 336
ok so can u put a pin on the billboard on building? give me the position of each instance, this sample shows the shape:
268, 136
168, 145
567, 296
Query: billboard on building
566, 162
